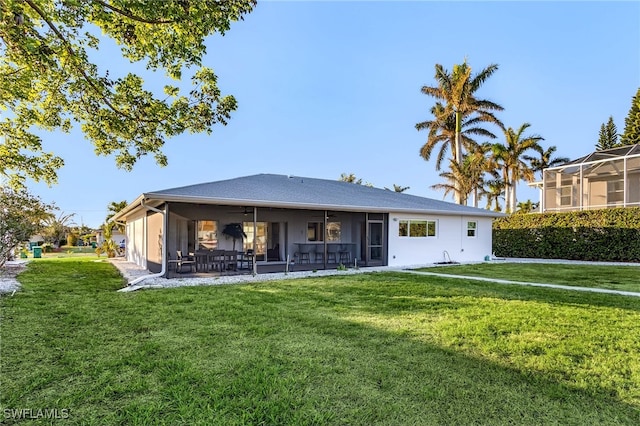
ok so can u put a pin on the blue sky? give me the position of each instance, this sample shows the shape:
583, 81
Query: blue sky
326, 88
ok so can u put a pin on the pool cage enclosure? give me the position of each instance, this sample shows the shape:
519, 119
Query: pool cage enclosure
602, 179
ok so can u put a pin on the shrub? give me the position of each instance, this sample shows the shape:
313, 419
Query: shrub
72, 239
604, 235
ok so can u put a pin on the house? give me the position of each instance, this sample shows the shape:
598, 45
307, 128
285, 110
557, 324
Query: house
315, 223
602, 179
118, 237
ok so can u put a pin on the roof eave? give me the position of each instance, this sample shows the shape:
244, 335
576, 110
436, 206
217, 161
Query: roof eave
308, 206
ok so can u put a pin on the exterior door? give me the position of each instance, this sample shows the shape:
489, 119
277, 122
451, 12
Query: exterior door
260, 237
375, 243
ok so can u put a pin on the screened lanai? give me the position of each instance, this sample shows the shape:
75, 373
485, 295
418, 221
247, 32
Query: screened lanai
602, 179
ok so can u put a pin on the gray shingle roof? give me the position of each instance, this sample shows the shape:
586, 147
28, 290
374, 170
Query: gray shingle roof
607, 154
303, 192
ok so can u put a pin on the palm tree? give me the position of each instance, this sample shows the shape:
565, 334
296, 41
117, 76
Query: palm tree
398, 188
114, 208
480, 163
458, 181
351, 178
527, 206
510, 158
494, 191
57, 227
545, 160
442, 131
457, 91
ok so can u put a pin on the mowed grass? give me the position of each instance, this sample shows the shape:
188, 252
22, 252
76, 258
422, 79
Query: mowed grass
383, 348
625, 278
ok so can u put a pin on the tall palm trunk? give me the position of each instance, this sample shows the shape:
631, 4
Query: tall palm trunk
458, 158
507, 189
512, 195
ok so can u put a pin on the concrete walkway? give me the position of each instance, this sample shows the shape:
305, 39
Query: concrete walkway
556, 286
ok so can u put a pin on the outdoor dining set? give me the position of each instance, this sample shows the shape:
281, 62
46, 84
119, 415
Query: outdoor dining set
314, 252
213, 261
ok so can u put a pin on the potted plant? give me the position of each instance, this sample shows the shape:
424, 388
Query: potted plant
234, 230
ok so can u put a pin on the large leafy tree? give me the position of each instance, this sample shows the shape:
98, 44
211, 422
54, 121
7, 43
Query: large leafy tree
631, 135
21, 216
510, 157
608, 136
456, 95
49, 80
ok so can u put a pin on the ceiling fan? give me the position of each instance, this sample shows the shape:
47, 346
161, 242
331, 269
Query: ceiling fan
244, 210
329, 216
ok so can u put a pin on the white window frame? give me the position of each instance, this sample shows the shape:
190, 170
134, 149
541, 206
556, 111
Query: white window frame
474, 228
427, 223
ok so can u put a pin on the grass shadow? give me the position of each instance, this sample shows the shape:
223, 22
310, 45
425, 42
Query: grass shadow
342, 350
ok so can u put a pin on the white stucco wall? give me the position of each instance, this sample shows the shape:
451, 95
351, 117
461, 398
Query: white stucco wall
451, 236
136, 250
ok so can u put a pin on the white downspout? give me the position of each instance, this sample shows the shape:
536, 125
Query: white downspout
163, 269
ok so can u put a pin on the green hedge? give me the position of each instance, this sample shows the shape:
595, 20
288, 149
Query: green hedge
604, 235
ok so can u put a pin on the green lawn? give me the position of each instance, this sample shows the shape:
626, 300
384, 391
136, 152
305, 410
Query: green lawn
382, 348
625, 278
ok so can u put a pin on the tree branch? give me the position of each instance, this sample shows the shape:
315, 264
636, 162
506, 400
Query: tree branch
16, 71
73, 54
130, 15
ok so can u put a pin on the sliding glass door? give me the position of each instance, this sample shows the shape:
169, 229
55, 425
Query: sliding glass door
260, 238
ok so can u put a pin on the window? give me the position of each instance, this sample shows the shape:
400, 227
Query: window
207, 234
315, 232
565, 195
417, 228
403, 230
615, 192
471, 229
566, 191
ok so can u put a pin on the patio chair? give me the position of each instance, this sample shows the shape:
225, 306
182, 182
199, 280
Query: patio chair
345, 254
184, 260
231, 260
217, 260
246, 258
304, 253
202, 260
332, 253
